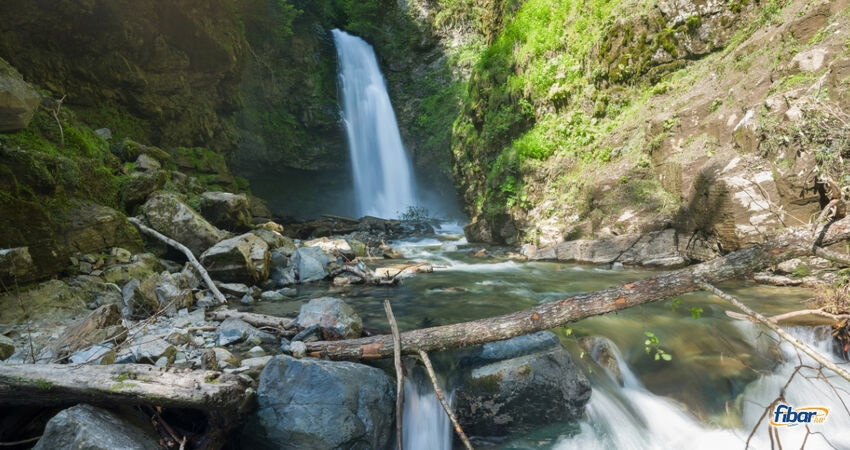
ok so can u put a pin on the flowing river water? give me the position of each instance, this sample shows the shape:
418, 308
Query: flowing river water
722, 375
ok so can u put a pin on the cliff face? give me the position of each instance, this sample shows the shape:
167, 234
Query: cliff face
161, 72
613, 117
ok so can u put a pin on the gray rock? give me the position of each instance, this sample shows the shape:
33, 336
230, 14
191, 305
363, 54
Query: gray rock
234, 289
538, 384
257, 363
310, 264
298, 349
96, 354
233, 330
90, 428
241, 259
146, 163
18, 99
15, 262
335, 318
273, 296
7, 347
310, 403
168, 214
226, 210
658, 248
147, 349
105, 133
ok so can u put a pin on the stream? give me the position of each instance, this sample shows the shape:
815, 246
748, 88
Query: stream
722, 375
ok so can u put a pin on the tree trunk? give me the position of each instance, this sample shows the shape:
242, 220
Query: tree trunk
791, 244
63, 384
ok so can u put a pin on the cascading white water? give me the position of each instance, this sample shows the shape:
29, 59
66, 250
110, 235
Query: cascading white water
426, 425
631, 417
383, 179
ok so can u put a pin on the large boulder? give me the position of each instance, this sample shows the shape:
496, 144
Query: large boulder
311, 403
168, 214
657, 248
335, 318
514, 385
139, 185
91, 428
15, 262
228, 211
18, 100
93, 228
241, 259
54, 301
310, 263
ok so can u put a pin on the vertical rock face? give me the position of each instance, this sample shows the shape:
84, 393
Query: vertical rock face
513, 385
85, 426
18, 100
311, 403
173, 65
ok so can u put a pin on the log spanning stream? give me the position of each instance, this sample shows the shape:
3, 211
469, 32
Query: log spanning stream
722, 375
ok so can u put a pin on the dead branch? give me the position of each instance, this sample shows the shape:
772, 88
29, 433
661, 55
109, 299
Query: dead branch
399, 374
791, 244
443, 401
780, 331
793, 315
219, 297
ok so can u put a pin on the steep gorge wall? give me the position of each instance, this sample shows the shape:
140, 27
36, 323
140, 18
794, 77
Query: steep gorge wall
592, 119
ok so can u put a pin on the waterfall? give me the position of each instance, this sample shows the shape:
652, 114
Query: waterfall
383, 179
426, 425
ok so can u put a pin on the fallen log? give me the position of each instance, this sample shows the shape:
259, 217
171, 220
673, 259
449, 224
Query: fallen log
133, 384
791, 244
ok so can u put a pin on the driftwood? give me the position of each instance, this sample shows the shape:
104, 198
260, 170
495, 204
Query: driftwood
367, 276
185, 250
284, 326
780, 331
127, 384
341, 218
796, 315
427, 361
399, 376
791, 244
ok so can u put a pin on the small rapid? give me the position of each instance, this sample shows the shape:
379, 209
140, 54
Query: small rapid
631, 417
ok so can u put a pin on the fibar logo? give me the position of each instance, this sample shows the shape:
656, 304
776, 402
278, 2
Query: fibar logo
786, 416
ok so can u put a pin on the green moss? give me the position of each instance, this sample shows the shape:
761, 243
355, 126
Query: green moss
44, 385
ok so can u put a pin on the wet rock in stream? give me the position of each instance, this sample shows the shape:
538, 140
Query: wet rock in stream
514, 385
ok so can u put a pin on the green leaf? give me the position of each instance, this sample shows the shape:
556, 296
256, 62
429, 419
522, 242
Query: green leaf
646, 342
657, 356
666, 357
696, 312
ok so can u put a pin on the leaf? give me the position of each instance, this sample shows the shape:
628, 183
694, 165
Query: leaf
666, 357
646, 342
696, 312
657, 356
649, 334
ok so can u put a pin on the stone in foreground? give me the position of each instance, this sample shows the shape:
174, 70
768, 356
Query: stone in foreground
90, 428
518, 384
316, 404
